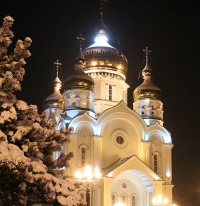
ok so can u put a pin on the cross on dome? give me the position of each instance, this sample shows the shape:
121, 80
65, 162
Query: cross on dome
80, 39
147, 52
57, 63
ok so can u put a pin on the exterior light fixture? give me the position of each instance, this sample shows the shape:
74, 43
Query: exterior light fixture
89, 178
160, 201
119, 204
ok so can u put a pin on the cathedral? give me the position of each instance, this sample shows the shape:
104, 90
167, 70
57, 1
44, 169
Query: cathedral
130, 147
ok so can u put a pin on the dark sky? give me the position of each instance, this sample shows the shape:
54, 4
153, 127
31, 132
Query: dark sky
169, 28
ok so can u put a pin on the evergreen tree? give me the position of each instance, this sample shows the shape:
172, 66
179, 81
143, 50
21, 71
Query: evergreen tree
28, 172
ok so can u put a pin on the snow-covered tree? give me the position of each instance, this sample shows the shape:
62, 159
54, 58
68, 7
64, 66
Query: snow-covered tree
28, 172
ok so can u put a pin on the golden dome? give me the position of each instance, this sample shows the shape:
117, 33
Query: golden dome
147, 89
102, 59
55, 100
79, 79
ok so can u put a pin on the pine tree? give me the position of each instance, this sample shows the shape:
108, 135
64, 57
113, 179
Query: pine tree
28, 172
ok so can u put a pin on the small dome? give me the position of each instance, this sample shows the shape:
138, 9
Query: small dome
147, 89
55, 100
79, 79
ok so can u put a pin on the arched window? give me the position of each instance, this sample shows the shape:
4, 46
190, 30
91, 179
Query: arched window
156, 162
110, 92
83, 154
72, 101
113, 199
83, 101
124, 199
82, 196
133, 200
82, 193
56, 155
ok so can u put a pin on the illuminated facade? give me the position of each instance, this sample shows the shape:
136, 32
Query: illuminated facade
131, 147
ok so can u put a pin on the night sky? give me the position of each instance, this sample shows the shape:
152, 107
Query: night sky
169, 28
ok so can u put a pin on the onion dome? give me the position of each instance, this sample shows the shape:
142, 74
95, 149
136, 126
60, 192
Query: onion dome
79, 79
102, 59
55, 100
147, 89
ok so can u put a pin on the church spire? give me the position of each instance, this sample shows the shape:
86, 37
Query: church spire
55, 100
79, 63
80, 41
101, 28
57, 83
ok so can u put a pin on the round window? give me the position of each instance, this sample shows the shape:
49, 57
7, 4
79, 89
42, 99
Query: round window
120, 140
124, 186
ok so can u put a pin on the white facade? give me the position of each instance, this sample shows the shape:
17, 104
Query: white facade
108, 92
130, 147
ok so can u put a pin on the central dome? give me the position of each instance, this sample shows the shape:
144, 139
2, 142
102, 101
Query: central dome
104, 60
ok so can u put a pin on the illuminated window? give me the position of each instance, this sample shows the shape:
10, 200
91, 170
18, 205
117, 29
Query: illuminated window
110, 92
133, 200
94, 63
124, 199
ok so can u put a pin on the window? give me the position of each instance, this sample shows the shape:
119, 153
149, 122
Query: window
83, 156
110, 92
150, 199
155, 163
124, 186
72, 101
133, 200
113, 200
82, 196
120, 140
124, 199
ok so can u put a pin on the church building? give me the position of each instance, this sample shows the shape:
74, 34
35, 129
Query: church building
131, 147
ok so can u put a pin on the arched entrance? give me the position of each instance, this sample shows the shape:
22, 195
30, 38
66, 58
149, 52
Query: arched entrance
132, 187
